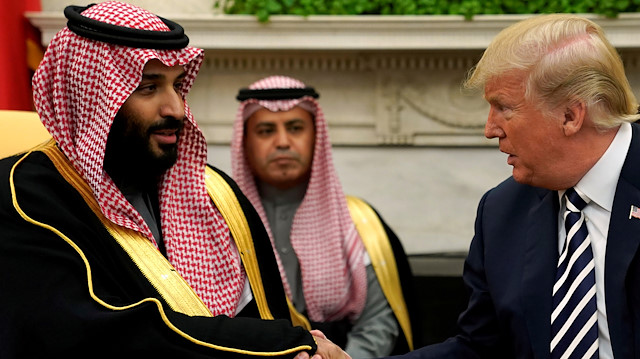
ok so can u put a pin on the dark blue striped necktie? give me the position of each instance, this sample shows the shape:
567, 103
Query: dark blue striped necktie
574, 327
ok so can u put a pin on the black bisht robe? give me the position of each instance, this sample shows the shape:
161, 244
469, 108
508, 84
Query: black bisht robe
46, 309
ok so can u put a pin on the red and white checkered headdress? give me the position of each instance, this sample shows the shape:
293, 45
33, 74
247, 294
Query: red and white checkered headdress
323, 235
78, 89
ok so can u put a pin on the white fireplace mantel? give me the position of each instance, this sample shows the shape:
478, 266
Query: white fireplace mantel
365, 32
403, 73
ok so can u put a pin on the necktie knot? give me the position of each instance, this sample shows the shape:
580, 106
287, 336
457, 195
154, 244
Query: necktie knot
575, 200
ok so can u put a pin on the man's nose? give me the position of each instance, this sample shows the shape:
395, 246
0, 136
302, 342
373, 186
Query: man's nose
491, 128
282, 138
172, 106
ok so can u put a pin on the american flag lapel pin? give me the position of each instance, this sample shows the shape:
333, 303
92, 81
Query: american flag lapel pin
634, 212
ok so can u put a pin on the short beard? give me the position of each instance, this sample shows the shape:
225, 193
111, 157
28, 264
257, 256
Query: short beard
128, 158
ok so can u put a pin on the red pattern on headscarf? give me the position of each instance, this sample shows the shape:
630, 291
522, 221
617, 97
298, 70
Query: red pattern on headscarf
78, 89
329, 249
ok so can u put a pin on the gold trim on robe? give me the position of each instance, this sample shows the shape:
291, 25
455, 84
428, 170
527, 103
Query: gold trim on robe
297, 318
227, 203
167, 281
154, 266
377, 244
379, 249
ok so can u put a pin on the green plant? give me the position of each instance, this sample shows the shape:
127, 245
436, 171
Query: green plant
263, 9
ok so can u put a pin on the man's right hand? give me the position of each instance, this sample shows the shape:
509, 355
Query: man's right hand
326, 349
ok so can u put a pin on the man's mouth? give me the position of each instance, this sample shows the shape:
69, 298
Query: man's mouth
282, 159
510, 157
165, 136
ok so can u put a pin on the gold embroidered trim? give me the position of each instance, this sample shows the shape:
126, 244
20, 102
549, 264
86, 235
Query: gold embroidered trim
50, 148
154, 266
227, 202
297, 318
377, 245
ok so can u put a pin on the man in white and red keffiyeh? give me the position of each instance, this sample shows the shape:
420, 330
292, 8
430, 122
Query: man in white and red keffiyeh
281, 159
117, 239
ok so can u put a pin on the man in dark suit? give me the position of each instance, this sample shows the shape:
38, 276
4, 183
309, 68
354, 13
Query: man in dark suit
561, 108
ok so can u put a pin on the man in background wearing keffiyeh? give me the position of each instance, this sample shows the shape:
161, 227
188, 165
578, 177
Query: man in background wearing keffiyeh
117, 240
324, 243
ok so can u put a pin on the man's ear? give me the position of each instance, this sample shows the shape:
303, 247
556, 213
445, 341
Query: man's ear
574, 118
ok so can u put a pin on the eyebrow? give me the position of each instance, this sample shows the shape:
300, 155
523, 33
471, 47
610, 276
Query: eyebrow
265, 123
154, 76
273, 122
294, 120
495, 97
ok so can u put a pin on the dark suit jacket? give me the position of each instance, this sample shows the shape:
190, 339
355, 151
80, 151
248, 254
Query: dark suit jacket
510, 272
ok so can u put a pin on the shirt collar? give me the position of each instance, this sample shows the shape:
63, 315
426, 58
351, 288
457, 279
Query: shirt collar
600, 182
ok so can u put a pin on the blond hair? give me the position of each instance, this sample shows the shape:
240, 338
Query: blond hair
567, 58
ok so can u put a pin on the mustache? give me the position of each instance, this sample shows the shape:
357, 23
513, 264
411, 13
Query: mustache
167, 123
283, 153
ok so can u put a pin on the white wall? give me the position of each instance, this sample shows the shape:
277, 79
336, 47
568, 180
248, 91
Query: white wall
428, 196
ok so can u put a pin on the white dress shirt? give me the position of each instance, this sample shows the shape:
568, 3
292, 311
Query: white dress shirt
599, 184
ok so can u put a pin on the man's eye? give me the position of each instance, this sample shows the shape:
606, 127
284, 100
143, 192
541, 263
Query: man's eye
264, 131
146, 88
502, 108
507, 112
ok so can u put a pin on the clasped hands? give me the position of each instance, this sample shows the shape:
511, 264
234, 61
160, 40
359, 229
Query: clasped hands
326, 349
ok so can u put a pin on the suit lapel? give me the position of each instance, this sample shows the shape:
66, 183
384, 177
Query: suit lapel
540, 261
622, 244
